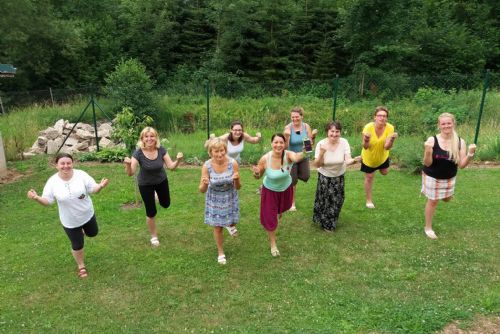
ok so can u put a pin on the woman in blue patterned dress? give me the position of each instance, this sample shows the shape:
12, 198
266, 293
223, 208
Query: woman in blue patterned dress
220, 180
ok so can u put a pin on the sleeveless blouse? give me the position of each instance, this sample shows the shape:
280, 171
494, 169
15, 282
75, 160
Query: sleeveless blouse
442, 167
296, 140
221, 199
277, 179
234, 151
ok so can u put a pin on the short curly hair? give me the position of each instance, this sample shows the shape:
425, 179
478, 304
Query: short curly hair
216, 143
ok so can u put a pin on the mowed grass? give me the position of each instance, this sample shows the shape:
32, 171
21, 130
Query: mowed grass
377, 274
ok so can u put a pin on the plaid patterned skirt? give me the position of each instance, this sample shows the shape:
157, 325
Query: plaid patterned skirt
435, 189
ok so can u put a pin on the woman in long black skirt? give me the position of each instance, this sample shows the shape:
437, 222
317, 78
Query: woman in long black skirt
332, 155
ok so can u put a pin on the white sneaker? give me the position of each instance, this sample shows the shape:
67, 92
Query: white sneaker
293, 208
221, 259
155, 242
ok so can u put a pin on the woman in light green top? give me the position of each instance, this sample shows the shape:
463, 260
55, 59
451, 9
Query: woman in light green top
277, 192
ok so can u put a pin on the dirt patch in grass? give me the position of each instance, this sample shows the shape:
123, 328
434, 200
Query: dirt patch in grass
11, 176
130, 205
481, 325
485, 164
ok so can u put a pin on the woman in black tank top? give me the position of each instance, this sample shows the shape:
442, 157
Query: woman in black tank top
443, 155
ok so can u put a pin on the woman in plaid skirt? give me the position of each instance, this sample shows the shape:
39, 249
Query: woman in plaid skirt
444, 154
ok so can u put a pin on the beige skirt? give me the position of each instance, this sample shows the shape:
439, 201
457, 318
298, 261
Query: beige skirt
435, 189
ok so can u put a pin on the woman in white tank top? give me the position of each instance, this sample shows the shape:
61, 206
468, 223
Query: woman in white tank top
235, 140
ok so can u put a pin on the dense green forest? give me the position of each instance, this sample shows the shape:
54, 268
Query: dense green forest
56, 43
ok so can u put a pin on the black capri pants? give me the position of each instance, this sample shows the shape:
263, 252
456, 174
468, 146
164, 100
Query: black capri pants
148, 197
76, 234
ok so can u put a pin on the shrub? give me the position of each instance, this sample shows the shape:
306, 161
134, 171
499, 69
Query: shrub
129, 86
104, 155
491, 150
439, 101
128, 126
408, 154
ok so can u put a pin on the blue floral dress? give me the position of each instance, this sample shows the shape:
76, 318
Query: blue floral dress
222, 207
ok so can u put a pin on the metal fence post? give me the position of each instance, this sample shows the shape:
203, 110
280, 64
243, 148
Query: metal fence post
483, 97
335, 89
95, 121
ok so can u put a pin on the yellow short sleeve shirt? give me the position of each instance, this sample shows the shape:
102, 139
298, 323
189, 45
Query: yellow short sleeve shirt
376, 155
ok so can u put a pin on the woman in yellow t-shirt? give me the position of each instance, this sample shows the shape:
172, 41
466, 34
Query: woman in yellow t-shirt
378, 138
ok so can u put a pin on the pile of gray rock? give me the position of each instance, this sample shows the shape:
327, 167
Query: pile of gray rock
82, 139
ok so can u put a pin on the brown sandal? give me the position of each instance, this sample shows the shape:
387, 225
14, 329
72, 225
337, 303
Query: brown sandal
82, 272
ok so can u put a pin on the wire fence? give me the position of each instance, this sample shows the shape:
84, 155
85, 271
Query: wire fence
49, 97
354, 88
269, 101
203, 104
210, 105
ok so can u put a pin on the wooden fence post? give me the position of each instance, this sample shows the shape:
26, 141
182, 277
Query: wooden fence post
51, 96
3, 162
1, 106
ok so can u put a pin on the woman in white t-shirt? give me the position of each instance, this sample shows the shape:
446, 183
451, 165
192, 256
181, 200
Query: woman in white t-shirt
332, 154
71, 189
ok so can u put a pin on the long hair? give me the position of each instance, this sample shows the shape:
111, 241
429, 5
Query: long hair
454, 151
283, 152
146, 130
230, 137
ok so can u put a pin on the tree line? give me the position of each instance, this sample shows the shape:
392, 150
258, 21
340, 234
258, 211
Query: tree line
56, 43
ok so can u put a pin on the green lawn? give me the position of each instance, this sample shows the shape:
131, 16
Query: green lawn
377, 274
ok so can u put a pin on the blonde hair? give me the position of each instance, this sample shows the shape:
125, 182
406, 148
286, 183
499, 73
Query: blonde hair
454, 151
216, 143
145, 131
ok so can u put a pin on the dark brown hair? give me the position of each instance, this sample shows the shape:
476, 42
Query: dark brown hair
333, 124
62, 155
282, 136
230, 137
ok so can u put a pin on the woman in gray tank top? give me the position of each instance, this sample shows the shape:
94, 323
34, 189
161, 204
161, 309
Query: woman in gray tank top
152, 178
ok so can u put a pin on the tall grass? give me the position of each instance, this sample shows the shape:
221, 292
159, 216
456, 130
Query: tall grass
20, 127
414, 117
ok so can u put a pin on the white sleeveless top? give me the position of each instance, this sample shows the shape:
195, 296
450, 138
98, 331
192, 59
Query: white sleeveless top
234, 150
